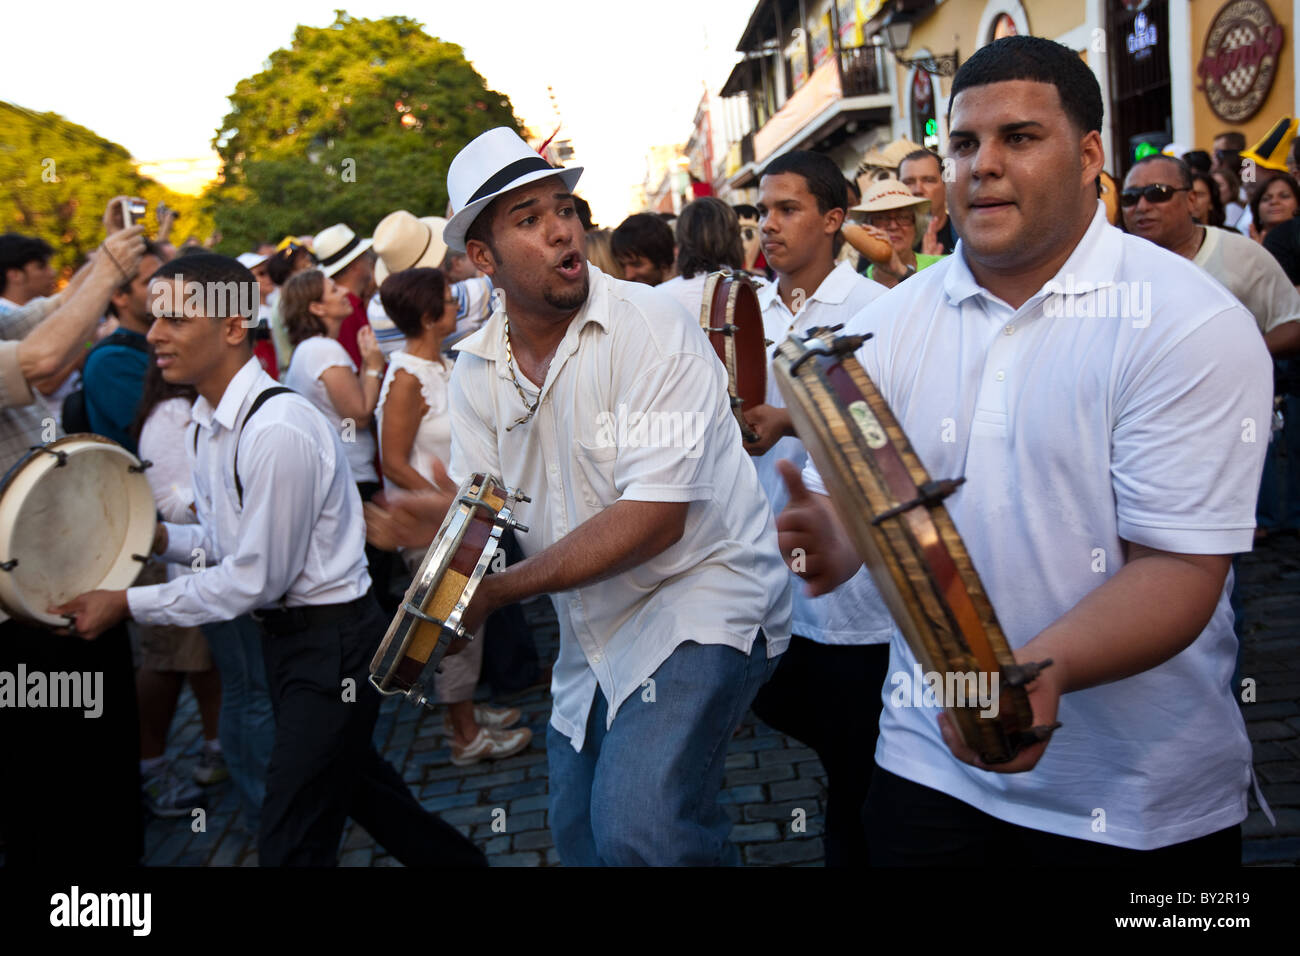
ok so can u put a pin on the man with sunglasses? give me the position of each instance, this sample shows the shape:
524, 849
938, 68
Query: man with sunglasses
1157, 205
1107, 404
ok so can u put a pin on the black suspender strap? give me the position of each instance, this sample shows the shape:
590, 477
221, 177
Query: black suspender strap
257, 403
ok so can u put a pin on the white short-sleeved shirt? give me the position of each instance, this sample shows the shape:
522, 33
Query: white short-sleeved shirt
1249, 272
1077, 423
853, 613
689, 292
634, 407
310, 360
433, 435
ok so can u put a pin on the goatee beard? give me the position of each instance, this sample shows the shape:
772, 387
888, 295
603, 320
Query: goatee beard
569, 300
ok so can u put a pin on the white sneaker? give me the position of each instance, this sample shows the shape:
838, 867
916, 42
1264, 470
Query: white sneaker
497, 718
491, 744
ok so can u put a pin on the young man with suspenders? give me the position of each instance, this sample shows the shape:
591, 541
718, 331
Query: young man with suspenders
281, 535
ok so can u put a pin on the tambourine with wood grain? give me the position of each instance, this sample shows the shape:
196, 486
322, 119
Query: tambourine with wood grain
731, 316
441, 590
895, 515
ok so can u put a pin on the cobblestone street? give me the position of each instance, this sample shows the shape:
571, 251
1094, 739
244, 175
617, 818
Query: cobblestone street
769, 776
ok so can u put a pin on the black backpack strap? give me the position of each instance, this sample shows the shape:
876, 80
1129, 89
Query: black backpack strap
257, 403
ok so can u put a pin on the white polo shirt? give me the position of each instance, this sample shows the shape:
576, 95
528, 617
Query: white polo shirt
301, 533
1074, 432
853, 613
1249, 272
629, 351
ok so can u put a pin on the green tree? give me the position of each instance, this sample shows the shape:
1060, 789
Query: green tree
353, 121
57, 176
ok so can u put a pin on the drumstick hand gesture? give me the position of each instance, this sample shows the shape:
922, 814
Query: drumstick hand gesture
409, 519
94, 612
812, 541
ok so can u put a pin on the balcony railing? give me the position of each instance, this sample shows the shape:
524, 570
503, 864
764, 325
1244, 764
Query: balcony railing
862, 71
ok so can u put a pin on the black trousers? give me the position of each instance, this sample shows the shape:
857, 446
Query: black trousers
911, 825
70, 784
828, 697
324, 766
384, 566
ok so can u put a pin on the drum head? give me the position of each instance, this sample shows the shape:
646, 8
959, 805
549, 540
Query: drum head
72, 527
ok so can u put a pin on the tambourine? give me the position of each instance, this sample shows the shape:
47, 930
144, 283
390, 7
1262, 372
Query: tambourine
441, 590
894, 512
76, 515
730, 314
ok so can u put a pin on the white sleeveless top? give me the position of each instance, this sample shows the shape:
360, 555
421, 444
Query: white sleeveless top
433, 437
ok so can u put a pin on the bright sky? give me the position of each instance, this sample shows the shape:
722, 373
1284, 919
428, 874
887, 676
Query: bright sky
626, 76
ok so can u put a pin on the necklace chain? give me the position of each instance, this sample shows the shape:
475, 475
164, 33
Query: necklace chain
523, 397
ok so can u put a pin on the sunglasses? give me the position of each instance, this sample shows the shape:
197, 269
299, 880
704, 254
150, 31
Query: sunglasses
1155, 193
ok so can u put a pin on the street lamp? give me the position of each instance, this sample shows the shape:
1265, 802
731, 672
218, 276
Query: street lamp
898, 36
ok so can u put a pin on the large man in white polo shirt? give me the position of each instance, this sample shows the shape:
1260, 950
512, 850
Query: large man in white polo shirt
824, 691
1108, 405
602, 400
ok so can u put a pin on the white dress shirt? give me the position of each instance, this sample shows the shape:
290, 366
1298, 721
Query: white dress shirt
300, 535
629, 351
854, 613
1078, 424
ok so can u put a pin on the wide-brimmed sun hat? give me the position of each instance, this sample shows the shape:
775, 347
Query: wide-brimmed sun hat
886, 194
404, 242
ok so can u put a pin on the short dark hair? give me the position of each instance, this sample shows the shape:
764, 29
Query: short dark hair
824, 179
916, 154
1236, 140
280, 265
745, 211
1257, 197
481, 228
408, 296
1198, 160
16, 251
643, 234
708, 238
1041, 61
211, 269
1181, 168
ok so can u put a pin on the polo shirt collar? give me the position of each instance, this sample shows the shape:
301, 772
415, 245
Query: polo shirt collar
1094, 264
232, 400
489, 342
835, 288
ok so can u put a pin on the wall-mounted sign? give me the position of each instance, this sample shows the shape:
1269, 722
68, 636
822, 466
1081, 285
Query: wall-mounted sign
1239, 63
1143, 37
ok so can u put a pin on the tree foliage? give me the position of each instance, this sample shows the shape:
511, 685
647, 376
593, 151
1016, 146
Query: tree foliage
57, 176
353, 121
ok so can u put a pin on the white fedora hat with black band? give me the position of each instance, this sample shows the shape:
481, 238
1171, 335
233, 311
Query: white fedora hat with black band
491, 164
336, 246
404, 242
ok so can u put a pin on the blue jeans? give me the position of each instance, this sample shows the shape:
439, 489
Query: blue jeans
247, 726
645, 792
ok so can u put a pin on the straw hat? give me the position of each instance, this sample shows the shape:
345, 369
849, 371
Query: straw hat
890, 155
404, 242
887, 194
337, 246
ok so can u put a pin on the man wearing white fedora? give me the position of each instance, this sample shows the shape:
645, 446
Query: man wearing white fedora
601, 399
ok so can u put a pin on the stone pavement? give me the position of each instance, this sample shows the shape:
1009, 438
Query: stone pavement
769, 776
